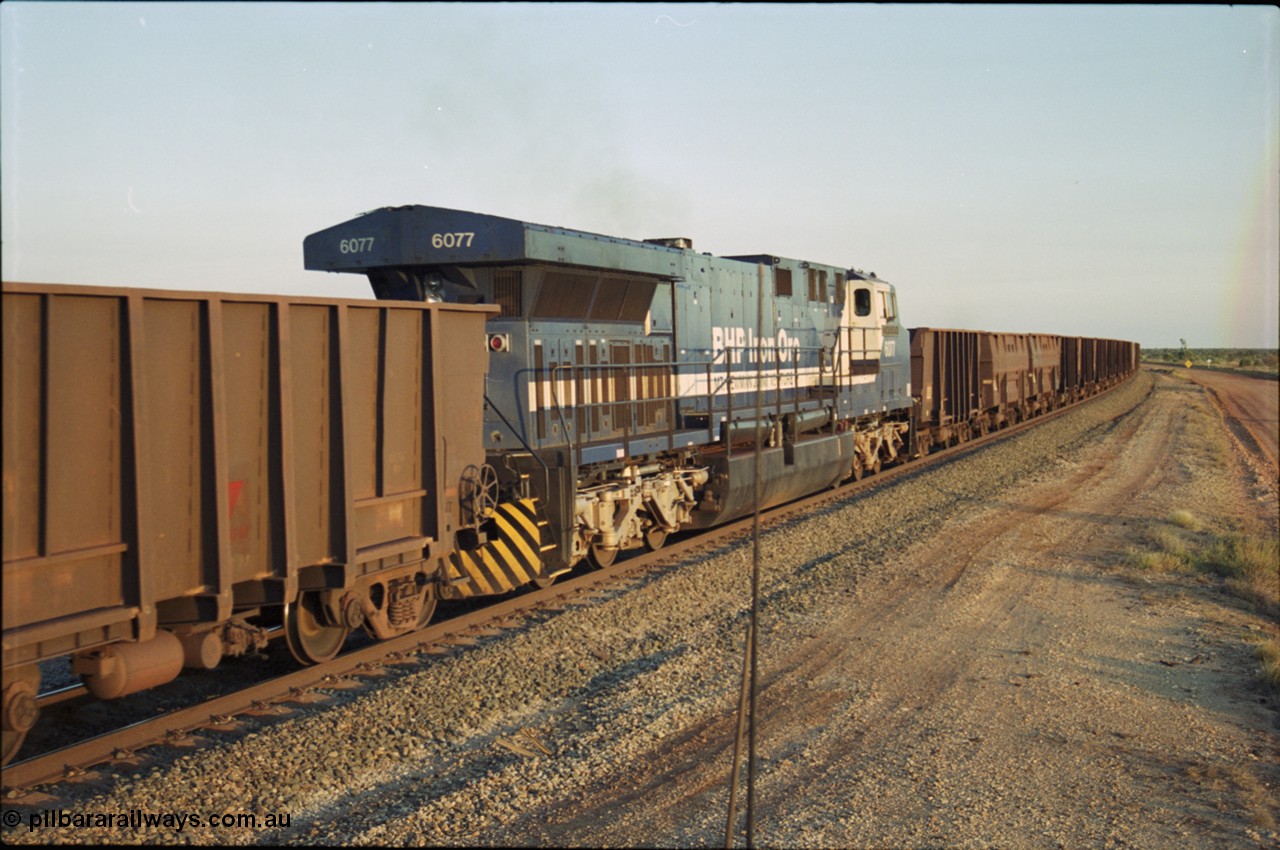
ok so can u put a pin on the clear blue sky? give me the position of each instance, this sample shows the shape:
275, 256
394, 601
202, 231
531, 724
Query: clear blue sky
1099, 170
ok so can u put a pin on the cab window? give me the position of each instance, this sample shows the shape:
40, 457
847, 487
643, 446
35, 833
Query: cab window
888, 307
862, 302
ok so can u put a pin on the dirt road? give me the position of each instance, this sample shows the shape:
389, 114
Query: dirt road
1252, 406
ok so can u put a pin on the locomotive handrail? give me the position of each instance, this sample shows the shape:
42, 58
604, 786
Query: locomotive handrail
555, 371
630, 403
519, 437
795, 403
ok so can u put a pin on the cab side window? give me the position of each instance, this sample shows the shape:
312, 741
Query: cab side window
888, 307
862, 302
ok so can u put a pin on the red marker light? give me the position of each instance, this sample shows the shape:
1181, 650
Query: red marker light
498, 342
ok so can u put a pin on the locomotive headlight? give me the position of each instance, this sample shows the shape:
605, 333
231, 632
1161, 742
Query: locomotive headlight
433, 289
499, 342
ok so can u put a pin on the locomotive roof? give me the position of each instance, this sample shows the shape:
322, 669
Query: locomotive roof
419, 235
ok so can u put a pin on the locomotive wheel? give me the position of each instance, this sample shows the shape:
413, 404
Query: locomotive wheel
655, 537
857, 470
543, 582
20, 710
310, 640
875, 467
599, 557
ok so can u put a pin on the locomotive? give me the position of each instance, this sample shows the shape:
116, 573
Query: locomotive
187, 472
627, 378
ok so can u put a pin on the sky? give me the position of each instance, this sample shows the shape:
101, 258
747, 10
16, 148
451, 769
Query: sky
1086, 170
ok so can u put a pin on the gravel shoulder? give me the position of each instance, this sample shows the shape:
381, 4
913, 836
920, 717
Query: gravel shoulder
963, 657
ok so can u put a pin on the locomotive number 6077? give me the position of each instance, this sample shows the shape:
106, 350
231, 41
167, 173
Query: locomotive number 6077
452, 240
356, 246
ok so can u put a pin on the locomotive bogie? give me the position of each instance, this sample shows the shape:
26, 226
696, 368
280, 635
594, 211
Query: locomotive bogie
877, 443
642, 505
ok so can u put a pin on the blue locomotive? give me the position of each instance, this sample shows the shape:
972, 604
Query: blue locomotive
629, 380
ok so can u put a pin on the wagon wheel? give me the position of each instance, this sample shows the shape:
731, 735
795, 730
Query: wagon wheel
599, 557
478, 491
310, 640
427, 612
20, 709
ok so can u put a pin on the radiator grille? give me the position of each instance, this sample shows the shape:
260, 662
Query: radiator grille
506, 292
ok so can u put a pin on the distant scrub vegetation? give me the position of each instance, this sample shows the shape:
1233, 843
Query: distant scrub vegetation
1252, 359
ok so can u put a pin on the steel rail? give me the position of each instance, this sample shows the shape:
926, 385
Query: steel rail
463, 628
468, 627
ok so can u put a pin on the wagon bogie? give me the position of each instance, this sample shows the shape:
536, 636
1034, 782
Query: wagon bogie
19, 708
180, 466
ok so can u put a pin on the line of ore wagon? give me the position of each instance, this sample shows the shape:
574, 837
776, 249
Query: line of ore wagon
185, 474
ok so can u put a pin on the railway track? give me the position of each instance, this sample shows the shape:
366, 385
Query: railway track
274, 696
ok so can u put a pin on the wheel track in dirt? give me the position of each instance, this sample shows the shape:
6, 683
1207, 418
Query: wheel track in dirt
799, 689
985, 609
